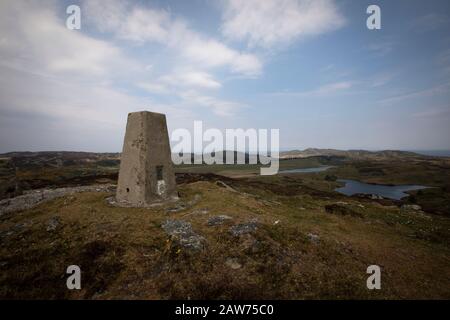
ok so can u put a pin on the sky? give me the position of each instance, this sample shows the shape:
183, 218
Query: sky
311, 69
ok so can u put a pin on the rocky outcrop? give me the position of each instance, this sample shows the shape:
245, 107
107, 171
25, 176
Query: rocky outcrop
370, 196
181, 231
314, 238
184, 205
411, 207
53, 224
218, 220
244, 228
35, 197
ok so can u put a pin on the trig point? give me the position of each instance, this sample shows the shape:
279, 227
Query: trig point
146, 174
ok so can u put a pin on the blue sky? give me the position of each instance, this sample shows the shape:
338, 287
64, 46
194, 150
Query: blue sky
309, 68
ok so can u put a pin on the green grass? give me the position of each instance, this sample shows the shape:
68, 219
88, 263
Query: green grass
124, 253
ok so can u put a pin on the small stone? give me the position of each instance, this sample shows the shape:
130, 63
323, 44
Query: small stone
250, 244
174, 227
53, 223
182, 232
233, 263
200, 211
314, 238
183, 206
224, 185
243, 228
195, 200
218, 220
111, 200
177, 208
413, 207
69, 200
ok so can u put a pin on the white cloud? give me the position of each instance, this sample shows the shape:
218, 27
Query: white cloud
214, 54
153, 87
433, 113
444, 60
171, 83
47, 46
127, 21
218, 106
333, 87
381, 79
381, 48
430, 92
62, 84
191, 79
131, 22
430, 22
271, 22
325, 90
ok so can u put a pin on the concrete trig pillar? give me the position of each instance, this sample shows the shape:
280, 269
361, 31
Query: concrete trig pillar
146, 174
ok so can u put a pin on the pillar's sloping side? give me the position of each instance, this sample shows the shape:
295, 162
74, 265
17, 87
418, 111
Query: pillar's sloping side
146, 173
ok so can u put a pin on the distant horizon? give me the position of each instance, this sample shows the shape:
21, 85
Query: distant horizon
442, 152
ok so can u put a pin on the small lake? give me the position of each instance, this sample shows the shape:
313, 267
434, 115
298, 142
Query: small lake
307, 170
392, 192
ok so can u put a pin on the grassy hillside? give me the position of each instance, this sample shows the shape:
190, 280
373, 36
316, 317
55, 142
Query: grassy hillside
233, 234
300, 248
21, 173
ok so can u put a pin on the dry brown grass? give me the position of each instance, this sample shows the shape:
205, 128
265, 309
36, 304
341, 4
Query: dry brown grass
124, 253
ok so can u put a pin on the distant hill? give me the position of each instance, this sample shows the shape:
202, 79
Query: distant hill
353, 154
64, 158
58, 158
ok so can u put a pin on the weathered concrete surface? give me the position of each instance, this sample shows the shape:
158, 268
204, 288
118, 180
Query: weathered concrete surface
146, 174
